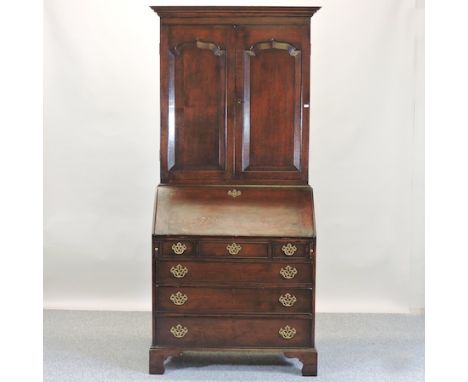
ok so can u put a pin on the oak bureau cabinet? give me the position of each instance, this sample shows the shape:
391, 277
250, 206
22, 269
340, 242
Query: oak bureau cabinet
234, 243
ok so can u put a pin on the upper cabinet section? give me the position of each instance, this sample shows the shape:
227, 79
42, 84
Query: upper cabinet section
234, 94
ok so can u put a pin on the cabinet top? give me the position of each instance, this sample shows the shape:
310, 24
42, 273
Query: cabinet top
189, 12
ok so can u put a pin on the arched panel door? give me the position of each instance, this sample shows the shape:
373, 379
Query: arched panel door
194, 107
272, 86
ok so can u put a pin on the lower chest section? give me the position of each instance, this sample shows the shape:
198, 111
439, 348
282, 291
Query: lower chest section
233, 292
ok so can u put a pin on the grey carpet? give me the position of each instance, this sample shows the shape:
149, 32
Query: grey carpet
113, 346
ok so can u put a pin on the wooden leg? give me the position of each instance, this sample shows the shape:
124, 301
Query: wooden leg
308, 359
156, 361
157, 358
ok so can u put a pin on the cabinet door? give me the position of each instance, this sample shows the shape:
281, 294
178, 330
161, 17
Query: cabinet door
194, 96
272, 84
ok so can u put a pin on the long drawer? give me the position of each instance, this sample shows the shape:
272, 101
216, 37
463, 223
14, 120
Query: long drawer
233, 332
233, 300
282, 273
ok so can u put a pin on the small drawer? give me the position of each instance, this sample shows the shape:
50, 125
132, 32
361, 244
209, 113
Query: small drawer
283, 273
247, 332
290, 249
233, 300
177, 248
232, 248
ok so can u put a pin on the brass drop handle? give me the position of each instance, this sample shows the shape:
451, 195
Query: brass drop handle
288, 272
179, 331
179, 271
178, 298
179, 248
234, 193
233, 248
289, 249
287, 300
287, 332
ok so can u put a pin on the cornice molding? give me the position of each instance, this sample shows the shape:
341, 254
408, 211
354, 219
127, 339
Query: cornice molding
174, 11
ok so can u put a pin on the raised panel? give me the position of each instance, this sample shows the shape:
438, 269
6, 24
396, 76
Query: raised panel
197, 117
269, 130
270, 95
194, 113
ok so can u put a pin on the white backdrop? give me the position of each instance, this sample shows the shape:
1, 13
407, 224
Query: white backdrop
101, 147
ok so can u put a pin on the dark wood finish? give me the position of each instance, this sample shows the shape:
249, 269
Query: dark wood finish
231, 91
241, 332
260, 248
157, 358
167, 249
308, 359
258, 211
220, 249
220, 14
228, 299
269, 79
234, 241
194, 121
233, 272
302, 249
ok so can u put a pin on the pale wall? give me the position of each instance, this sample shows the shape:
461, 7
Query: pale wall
366, 155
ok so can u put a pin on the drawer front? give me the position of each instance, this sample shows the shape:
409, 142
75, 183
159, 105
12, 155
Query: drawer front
233, 332
233, 248
290, 249
179, 248
233, 300
233, 272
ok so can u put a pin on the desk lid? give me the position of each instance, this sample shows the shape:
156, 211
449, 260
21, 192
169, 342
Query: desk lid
280, 211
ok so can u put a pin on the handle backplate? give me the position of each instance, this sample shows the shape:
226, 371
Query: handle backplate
288, 272
233, 248
287, 300
179, 331
289, 249
179, 248
287, 332
179, 271
178, 298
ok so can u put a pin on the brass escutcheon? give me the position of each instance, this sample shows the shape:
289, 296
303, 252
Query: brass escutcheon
234, 193
179, 248
179, 298
233, 248
287, 299
287, 332
179, 331
288, 272
179, 271
289, 249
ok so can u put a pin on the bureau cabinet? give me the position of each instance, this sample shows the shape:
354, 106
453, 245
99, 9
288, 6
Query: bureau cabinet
234, 241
